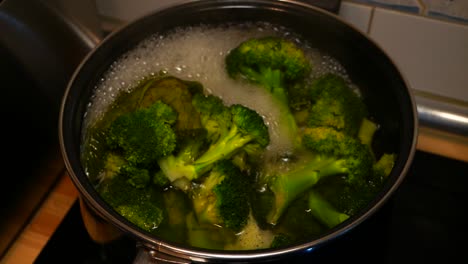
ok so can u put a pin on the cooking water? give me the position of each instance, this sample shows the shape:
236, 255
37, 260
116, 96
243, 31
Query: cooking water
197, 54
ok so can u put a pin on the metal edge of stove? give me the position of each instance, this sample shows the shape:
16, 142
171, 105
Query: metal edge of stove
444, 121
442, 113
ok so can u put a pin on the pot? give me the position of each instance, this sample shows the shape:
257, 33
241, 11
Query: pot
383, 87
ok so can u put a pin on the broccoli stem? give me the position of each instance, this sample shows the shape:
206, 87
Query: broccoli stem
203, 236
288, 121
223, 148
179, 166
290, 185
366, 131
272, 80
324, 211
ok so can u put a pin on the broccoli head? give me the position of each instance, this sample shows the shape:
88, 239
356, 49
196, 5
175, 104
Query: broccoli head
357, 195
333, 153
245, 127
222, 198
130, 196
275, 64
268, 61
145, 134
215, 116
355, 160
281, 240
335, 105
348, 155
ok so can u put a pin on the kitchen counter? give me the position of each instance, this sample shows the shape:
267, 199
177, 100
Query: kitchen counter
42, 225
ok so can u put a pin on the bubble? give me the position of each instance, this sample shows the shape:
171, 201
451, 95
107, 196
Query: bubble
197, 53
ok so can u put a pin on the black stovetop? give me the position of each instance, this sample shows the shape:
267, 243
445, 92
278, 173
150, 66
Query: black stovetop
423, 222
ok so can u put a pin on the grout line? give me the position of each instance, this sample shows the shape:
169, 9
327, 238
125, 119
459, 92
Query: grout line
423, 7
371, 18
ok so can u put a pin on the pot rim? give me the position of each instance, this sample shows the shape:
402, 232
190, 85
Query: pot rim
196, 254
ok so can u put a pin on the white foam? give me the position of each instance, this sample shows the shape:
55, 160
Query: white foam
197, 53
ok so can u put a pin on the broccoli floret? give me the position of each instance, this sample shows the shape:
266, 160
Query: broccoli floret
144, 135
347, 154
383, 167
222, 198
363, 176
177, 94
281, 240
269, 61
367, 131
136, 177
274, 63
324, 211
206, 236
335, 105
356, 195
159, 179
215, 116
333, 153
251, 237
246, 127
115, 165
177, 206
112, 164
138, 205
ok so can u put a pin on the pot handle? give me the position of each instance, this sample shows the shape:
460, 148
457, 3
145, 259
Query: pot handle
148, 256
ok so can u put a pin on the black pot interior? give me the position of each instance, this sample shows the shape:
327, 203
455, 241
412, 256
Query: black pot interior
381, 84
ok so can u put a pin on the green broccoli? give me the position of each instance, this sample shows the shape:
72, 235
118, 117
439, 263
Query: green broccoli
281, 240
384, 166
245, 127
128, 192
215, 116
177, 94
222, 198
324, 211
144, 135
357, 195
335, 105
206, 236
333, 153
344, 154
367, 131
274, 63
135, 141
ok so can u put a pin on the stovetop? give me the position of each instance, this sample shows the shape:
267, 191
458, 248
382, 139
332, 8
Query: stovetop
423, 222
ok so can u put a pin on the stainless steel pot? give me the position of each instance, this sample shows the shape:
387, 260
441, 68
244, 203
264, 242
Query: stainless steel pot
382, 85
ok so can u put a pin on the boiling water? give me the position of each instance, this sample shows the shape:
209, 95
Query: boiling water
197, 54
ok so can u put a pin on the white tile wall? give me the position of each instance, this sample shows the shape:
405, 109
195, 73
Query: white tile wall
432, 54
356, 14
404, 5
457, 9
